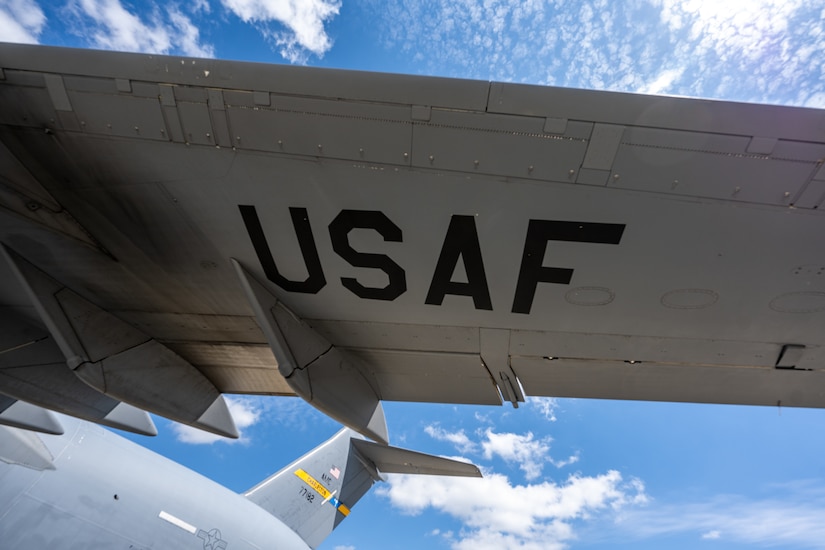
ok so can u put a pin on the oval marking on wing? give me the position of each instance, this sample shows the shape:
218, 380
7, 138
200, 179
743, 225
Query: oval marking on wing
589, 296
689, 298
805, 301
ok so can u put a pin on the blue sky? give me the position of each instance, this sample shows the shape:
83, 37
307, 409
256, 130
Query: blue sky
558, 473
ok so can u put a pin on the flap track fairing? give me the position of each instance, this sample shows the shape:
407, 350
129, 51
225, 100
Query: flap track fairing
19, 414
33, 370
121, 361
323, 375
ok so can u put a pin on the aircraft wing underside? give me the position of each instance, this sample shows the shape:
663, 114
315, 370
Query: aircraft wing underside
177, 228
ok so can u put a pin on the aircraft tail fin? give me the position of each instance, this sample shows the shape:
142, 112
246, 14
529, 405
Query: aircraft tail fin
315, 493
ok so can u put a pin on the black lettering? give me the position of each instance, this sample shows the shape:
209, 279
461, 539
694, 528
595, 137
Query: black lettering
339, 229
539, 232
461, 241
315, 280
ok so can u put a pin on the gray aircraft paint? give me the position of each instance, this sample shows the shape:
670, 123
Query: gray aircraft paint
434, 240
103, 491
90, 488
428, 202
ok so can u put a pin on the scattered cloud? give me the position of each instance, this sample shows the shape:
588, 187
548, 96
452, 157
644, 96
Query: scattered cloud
21, 21
745, 50
524, 450
547, 406
299, 29
107, 24
529, 453
483, 418
662, 83
751, 51
188, 36
814, 101
497, 514
200, 5
246, 411
572, 459
459, 438
793, 519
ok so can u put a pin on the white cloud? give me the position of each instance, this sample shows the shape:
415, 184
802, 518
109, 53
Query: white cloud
791, 519
459, 438
527, 452
766, 50
304, 21
547, 406
748, 50
116, 28
107, 24
344, 548
21, 21
524, 450
572, 459
200, 5
815, 101
662, 83
188, 36
499, 515
245, 412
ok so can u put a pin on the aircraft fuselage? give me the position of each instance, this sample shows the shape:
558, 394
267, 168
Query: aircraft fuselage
107, 492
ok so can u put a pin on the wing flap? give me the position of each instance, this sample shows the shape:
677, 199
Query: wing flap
668, 382
429, 376
235, 367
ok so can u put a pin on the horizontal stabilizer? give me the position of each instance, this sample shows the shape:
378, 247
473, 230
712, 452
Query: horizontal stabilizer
394, 460
20, 414
316, 492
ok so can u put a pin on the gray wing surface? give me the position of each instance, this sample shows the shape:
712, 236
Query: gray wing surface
448, 240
